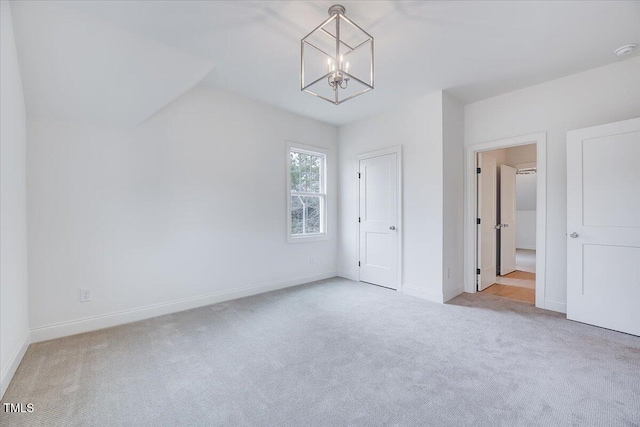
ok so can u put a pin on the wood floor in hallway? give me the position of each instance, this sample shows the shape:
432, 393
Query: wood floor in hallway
519, 285
512, 292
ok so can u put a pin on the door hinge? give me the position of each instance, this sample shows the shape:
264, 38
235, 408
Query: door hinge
479, 170
359, 219
359, 175
478, 221
358, 263
477, 271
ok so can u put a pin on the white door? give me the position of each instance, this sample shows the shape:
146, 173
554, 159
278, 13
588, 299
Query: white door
378, 179
487, 213
507, 219
603, 226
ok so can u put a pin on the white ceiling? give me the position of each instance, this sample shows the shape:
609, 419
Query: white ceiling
117, 63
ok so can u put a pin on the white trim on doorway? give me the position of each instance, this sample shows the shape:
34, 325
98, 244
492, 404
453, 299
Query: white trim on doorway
470, 205
397, 149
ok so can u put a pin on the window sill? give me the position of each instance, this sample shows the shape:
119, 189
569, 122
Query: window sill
308, 238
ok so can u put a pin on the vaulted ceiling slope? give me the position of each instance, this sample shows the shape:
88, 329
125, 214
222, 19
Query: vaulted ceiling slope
117, 62
82, 69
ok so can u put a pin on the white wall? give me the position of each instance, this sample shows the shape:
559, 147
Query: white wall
526, 230
602, 95
525, 156
453, 190
526, 200
188, 209
14, 317
417, 127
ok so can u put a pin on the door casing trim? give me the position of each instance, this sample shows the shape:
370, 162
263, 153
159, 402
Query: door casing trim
397, 149
470, 207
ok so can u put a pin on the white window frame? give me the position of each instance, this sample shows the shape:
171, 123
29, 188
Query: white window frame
315, 151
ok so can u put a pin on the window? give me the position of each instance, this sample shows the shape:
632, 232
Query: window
307, 196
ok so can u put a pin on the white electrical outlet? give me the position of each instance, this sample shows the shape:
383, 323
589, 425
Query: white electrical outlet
448, 273
85, 295
311, 261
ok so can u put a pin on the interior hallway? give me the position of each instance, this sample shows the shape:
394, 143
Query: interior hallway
519, 285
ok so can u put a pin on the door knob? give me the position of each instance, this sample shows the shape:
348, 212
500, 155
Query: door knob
393, 227
573, 235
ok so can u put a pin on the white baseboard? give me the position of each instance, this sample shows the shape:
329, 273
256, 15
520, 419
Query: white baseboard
348, 275
88, 324
554, 305
422, 293
14, 362
452, 293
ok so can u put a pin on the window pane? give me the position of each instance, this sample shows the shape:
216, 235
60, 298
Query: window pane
297, 214
295, 181
314, 183
305, 182
312, 207
305, 172
295, 161
315, 164
304, 162
306, 215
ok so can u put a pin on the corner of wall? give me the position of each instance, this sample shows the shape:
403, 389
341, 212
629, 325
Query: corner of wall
14, 362
15, 334
453, 194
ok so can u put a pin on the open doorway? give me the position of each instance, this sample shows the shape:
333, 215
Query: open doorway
505, 236
506, 195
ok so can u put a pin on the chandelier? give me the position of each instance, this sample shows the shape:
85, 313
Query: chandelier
337, 59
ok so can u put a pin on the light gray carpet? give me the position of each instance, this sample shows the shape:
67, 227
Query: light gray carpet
336, 353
